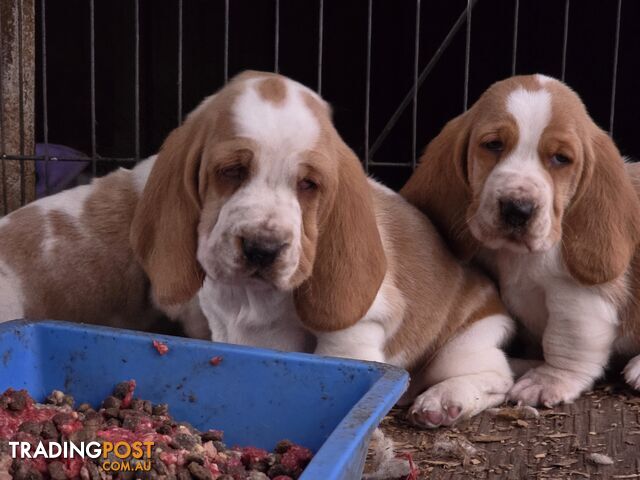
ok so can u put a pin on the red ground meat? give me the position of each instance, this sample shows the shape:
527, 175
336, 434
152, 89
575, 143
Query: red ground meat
251, 455
11, 418
296, 458
179, 450
161, 347
128, 396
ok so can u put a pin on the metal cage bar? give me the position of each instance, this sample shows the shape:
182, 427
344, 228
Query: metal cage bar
136, 14
276, 40
467, 57
54, 158
180, 35
367, 104
416, 67
226, 41
21, 105
514, 51
614, 79
565, 39
45, 102
94, 145
320, 41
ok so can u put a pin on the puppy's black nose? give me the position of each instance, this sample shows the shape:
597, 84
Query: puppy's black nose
261, 252
516, 212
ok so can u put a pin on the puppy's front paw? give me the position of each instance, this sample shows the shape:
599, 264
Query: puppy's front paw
458, 398
632, 372
435, 407
548, 386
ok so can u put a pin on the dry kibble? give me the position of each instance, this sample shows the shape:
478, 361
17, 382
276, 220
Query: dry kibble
112, 402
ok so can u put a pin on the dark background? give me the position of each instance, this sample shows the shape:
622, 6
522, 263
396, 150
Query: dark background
589, 64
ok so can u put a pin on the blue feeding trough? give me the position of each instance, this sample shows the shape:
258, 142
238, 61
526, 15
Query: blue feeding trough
256, 396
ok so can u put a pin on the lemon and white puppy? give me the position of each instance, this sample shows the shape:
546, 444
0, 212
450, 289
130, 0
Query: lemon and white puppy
257, 205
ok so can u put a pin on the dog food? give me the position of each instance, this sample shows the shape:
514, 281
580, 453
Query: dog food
161, 347
177, 451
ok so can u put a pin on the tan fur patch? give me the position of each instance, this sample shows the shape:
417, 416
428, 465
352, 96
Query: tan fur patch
88, 275
63, 227
440, 297
273, 90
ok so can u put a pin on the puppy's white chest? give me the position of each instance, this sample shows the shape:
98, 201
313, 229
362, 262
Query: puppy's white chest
249, 316
524, 280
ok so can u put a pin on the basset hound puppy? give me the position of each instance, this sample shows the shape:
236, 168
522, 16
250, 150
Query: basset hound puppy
528, 185
67, 257
258, 206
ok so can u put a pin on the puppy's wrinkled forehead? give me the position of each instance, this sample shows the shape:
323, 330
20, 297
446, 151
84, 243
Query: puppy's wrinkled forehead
276, 112
533, 102
272, 110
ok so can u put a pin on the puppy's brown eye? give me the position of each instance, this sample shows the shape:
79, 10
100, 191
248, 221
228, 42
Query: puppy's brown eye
307, 184
560, 160
233, 172
493, 145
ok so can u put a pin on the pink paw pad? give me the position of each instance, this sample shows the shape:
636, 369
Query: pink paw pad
454, 412
433, 417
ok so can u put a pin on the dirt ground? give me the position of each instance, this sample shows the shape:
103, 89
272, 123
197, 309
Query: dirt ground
523, 443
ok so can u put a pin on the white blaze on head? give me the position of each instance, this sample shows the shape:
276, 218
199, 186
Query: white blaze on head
277, 126
532, 112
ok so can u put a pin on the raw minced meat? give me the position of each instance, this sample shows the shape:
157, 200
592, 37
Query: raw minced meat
215, 361
161, 347
179, 452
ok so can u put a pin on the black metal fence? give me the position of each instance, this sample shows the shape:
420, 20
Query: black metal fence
114, 76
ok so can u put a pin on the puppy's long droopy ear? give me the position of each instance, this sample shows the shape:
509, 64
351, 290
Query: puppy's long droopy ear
350, 263
163, 232
601, 227
439, 186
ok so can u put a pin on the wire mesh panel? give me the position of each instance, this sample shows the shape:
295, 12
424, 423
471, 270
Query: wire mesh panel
113, 78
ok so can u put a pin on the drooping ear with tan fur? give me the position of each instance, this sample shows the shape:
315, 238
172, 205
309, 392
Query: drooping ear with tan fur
350, 262
601, 227
439, 186
164, 229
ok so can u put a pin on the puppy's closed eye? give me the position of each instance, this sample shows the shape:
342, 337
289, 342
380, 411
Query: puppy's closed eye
233, 172
307, 185
235, 169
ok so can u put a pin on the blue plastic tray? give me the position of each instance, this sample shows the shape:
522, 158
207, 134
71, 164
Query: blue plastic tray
256, 396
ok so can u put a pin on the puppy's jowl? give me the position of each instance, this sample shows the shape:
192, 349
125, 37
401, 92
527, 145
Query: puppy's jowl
257, 206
